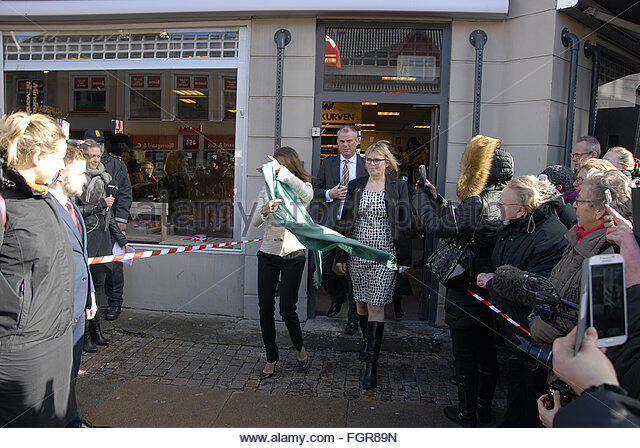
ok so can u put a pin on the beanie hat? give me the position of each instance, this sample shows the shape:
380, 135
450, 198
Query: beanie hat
560, 175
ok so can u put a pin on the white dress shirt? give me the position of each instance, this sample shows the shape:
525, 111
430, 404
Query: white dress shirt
352, 175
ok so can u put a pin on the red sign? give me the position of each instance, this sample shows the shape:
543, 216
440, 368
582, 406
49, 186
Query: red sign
137, 82
190, 129
219, 141
190, 142
153, 82
80, 83
118, 126
183, 82
200, 82
154, 142
98, 82
230, 84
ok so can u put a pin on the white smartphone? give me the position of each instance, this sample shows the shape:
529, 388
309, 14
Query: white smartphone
608, 299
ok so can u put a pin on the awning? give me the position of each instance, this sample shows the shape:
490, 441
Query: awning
617, 21
24, 11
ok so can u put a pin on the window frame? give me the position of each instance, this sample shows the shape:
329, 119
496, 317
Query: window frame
72, 90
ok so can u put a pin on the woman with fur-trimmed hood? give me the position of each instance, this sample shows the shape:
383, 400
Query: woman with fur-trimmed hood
485, 170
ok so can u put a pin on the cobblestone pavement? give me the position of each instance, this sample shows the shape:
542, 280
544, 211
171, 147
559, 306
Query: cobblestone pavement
418, 377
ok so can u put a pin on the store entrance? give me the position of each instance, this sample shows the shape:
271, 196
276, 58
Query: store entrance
410, 129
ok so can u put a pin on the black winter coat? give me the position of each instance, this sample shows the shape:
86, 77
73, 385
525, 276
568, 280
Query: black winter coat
396, 199
535, 244
599, 407
626, 357
37, 269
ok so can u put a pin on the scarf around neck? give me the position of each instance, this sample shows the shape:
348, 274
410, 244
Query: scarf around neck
583, 232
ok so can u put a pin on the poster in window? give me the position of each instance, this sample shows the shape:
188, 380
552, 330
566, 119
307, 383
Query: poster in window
153, 81
137, 81
229, 84
183, 82
200, 82
80, 83
97, 82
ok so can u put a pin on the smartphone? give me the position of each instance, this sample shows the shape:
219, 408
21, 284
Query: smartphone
423, 174
607, 197
584, 306
608, 299
543, 177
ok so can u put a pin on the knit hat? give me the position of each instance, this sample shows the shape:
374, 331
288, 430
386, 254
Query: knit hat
560, 175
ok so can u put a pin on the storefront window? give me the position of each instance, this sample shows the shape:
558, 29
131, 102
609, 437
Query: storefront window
30, 94
89, 93
191, 97
383, 59
145, 96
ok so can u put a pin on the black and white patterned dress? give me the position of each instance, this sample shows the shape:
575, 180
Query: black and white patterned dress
372, 282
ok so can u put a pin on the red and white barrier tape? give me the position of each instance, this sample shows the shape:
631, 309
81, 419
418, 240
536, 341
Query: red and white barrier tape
497, 311
155, 253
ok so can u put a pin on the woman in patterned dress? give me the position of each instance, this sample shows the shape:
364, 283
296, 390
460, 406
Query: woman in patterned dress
376, 212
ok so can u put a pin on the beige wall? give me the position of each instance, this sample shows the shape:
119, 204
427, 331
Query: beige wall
524, 90
297, 120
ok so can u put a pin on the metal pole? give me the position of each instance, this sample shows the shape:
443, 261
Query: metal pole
282, 39
589, 51
570, 40
477, 38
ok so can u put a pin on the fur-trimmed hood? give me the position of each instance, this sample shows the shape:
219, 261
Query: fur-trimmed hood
483, 165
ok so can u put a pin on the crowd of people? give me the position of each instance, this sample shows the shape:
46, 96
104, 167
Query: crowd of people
63, 202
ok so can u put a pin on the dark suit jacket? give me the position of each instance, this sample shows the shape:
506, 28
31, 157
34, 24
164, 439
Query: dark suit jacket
396, 199
328, 177
83, 281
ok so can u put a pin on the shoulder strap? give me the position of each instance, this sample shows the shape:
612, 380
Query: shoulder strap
3, 213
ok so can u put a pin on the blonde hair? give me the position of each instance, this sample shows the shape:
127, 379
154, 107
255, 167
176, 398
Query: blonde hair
614, 181
596, 165
22, 135
382, 147
531, 191
622, 156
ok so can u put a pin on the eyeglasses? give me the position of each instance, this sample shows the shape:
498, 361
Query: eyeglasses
579, 154
584, 201
579, 180
501, 203
374, 161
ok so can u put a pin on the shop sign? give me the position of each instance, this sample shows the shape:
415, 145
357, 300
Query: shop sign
153, 81
190, 142
183, 82
47, 110
80, 82
219, 141
137, 82
97, 82
118, 126
230, 84
154, 142
341, 113
200, 82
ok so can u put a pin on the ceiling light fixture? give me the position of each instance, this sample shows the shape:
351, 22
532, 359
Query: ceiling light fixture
399, 78
392, 114
369, 103
419, 126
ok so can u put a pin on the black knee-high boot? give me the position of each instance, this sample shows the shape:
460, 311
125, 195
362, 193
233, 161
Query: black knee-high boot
88, 345
465, 413
374, 341
362, 356
96, 332
486, 388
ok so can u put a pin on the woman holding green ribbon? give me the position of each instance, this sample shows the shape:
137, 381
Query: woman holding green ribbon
376, 212
281, 256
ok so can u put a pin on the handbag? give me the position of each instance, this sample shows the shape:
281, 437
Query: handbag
450, 263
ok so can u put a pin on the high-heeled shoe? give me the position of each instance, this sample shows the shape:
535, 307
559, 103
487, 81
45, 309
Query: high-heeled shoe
304, 363
264, 375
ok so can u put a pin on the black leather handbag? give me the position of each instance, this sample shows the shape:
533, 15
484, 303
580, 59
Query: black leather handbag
450, 263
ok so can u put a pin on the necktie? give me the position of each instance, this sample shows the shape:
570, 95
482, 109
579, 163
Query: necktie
344, 180
74, 217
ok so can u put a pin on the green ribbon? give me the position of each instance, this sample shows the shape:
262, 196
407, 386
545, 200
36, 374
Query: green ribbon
293, 216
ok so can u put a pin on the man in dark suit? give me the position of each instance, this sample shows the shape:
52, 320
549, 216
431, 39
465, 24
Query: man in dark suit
70, 182
329, 191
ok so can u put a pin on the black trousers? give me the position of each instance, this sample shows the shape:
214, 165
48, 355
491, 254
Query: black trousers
98, 275
524, 386
114, 283
289, 271
337, 285
474, 352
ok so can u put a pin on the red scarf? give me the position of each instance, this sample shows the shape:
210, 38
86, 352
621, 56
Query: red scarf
582, 232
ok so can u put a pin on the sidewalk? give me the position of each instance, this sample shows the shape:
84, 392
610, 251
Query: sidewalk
166, 370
